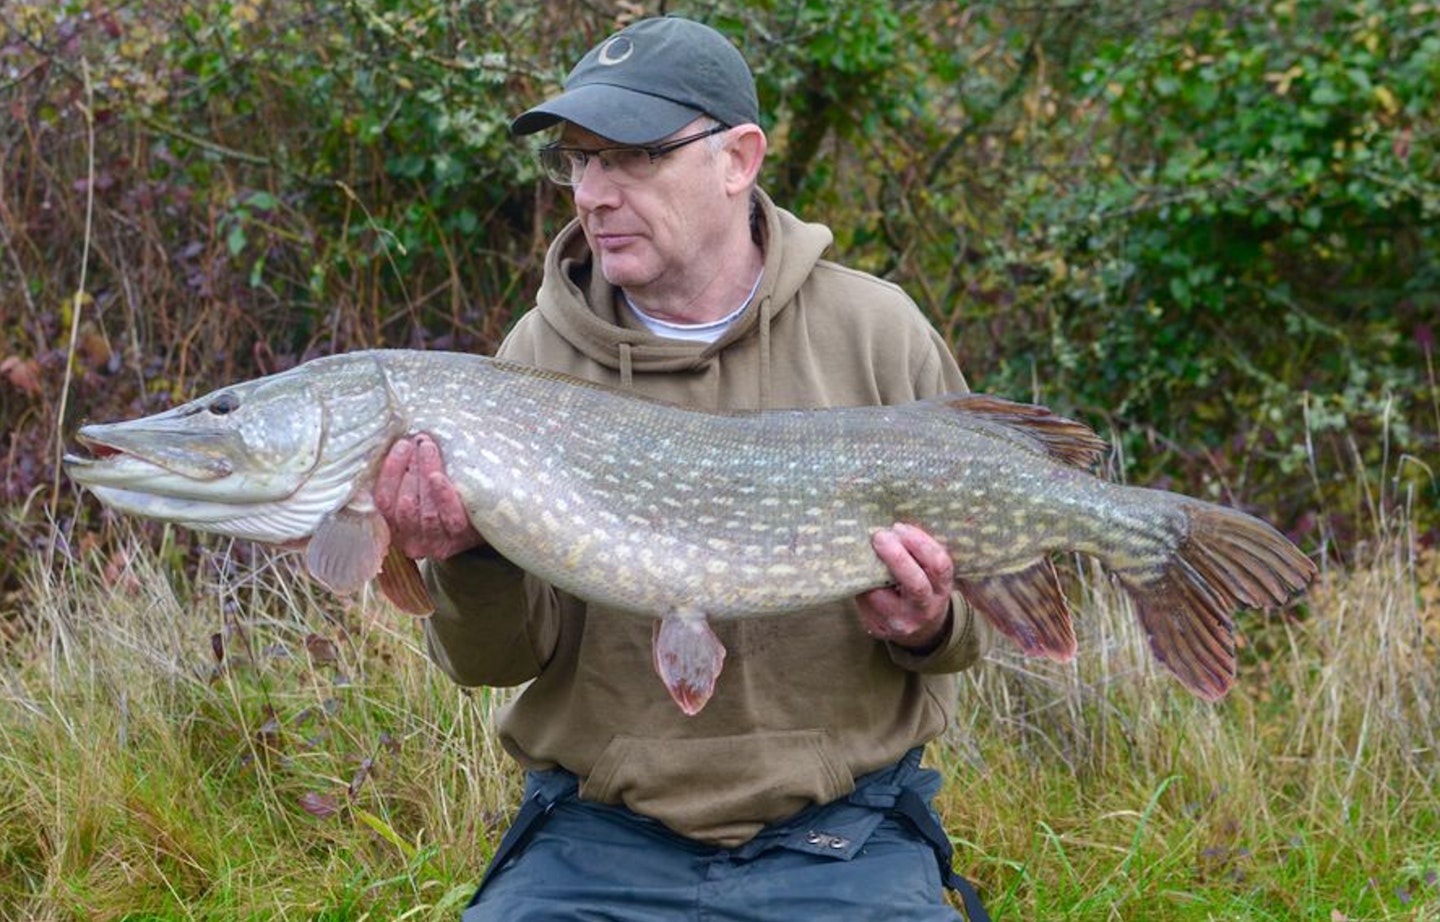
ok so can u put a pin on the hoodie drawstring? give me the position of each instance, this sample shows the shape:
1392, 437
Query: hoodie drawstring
766, 311
627, 369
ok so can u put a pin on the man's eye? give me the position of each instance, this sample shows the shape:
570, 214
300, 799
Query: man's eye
627, 157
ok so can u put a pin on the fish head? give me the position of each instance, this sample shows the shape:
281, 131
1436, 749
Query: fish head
266, 459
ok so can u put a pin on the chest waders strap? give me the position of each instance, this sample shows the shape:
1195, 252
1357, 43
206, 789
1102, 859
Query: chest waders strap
910, 805
540, 801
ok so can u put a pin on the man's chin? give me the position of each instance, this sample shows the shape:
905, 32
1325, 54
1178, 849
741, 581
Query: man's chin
624, 273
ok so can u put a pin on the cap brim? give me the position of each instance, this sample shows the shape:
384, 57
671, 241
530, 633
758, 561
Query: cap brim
612, 112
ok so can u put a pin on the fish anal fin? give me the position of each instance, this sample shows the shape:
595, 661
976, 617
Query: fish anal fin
402, 584
1060, 437
1027, 606
688, 657
347, 548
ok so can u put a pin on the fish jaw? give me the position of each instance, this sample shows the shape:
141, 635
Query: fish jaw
144, 469
126, 453
214, 464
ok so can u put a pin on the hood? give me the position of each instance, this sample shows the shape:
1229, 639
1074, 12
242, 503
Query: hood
792, 248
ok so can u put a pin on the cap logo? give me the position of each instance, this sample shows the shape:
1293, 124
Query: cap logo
617, 50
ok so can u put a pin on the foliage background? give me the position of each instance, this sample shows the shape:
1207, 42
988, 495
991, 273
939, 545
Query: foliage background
1207, 228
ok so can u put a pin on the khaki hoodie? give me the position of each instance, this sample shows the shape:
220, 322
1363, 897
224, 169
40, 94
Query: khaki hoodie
806, 701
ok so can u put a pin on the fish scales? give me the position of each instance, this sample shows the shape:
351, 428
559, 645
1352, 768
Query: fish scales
712, 511
687, 515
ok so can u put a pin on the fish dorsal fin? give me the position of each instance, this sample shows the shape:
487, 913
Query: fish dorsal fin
347, 548
1059, 437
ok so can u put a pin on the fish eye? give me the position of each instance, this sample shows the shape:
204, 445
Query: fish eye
224, 403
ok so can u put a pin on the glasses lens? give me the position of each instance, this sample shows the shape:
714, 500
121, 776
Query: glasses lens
624, 165
630, 162
561, 166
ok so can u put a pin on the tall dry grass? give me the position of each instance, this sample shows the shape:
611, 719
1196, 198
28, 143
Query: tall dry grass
190, 737
229, 745
1099, 791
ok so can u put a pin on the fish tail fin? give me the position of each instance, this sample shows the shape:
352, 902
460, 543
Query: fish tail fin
1059, 437
1027, 606
1227, 561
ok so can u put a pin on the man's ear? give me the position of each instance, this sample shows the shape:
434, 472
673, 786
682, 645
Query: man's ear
745, 147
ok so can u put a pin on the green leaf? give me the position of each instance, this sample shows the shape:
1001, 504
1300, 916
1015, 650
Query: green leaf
386, 832
1180, 291
235, 240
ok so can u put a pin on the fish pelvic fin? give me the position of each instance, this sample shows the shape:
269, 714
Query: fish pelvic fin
1227, 561
402, 584
1027, 606
1063, 439
347, 548
688, 657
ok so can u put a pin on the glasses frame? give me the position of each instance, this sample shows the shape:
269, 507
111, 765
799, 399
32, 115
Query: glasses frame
564, 172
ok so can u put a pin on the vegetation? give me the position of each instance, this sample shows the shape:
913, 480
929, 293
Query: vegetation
1208, 228
220, 741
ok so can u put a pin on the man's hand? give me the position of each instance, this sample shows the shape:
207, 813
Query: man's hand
419, 503
915, 611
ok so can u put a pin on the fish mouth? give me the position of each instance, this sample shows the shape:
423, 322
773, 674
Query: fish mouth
181, 477
117, 458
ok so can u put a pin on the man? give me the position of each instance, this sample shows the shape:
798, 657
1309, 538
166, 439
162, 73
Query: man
798, 787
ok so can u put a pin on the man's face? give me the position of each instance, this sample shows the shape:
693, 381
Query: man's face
650, 234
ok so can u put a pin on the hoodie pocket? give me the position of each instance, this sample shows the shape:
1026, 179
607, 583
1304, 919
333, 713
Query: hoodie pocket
719, 789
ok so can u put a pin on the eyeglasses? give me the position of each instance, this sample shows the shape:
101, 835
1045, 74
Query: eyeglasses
625, 165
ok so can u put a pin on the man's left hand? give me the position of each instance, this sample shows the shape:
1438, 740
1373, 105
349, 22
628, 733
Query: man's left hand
914, 612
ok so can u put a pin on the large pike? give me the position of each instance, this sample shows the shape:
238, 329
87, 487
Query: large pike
687, 515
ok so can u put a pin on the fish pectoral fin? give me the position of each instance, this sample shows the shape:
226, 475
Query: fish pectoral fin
688, 657
1028, 607
347, 549
402, 584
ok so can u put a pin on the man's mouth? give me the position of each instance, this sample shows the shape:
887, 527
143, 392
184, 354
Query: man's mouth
615, 241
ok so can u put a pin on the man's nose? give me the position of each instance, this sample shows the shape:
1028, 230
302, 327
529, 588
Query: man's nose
595, 188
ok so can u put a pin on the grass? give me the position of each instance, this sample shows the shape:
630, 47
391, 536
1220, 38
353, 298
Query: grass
172, 748
1311, 792
169, 752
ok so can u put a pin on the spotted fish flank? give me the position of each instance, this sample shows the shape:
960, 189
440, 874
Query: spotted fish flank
661, 510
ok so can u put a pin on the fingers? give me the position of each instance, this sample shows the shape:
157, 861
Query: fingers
389, 481
914, 611
919, 565
426, 515
441, 508
421, 485
449, 509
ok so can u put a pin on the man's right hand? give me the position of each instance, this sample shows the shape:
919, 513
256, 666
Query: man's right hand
420, 504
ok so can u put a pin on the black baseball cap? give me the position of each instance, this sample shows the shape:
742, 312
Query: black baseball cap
649, 80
